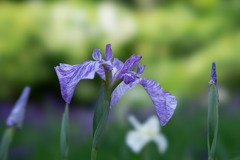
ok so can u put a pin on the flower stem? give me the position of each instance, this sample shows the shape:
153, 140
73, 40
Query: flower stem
101, 116
6, 140
64, 134
146, 153
94, 154
212, 121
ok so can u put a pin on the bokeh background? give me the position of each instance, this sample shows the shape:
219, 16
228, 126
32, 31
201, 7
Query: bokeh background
178, 40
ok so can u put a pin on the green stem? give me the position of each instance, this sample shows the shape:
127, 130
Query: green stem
101, 114
94, 154
6, 140
210, 158
146, 152
64, 134
212, 121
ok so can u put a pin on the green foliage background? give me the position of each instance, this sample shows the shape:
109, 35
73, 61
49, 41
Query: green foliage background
178, 41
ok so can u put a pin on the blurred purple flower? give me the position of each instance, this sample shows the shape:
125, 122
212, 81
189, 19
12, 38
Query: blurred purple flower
17, 114
70, 75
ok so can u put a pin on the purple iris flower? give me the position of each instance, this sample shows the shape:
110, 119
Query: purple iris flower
17, 114
121, 75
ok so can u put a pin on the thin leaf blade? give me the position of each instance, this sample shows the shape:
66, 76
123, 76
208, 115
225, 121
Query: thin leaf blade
212, 120
99, 108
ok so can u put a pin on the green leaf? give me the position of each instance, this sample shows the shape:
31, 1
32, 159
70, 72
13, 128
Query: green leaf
64, 134
100, 128
99, 108
100, 116
212, 121
6, 140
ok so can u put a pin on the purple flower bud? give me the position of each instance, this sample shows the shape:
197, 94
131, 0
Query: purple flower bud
17, 114
213, 79
213, 75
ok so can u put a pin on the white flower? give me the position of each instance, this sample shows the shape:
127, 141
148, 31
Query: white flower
143, 133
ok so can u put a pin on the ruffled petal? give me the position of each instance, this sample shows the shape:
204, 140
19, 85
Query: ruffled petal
97, 55
163, 101
117, 67
140, 69
130, 63
128, 77
117, 64
109, 66
17, 114
70, 75
108, 53
118, 92
101, 72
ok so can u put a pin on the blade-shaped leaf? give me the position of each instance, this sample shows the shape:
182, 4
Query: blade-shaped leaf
100, 116
99, 108
64, 134
100, 128
212, 120
7, 137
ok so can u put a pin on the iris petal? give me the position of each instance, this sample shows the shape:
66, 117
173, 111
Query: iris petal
70, 75
101, 72
128, 77
163, 101
97, 55
130, 63
117, 64
140, 69
108, 53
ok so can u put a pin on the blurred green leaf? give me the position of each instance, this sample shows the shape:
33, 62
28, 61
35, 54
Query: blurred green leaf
237, 158
6, 140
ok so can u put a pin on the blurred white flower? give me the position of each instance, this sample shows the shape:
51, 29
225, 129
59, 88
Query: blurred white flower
68, 25
144, 133
115, 22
